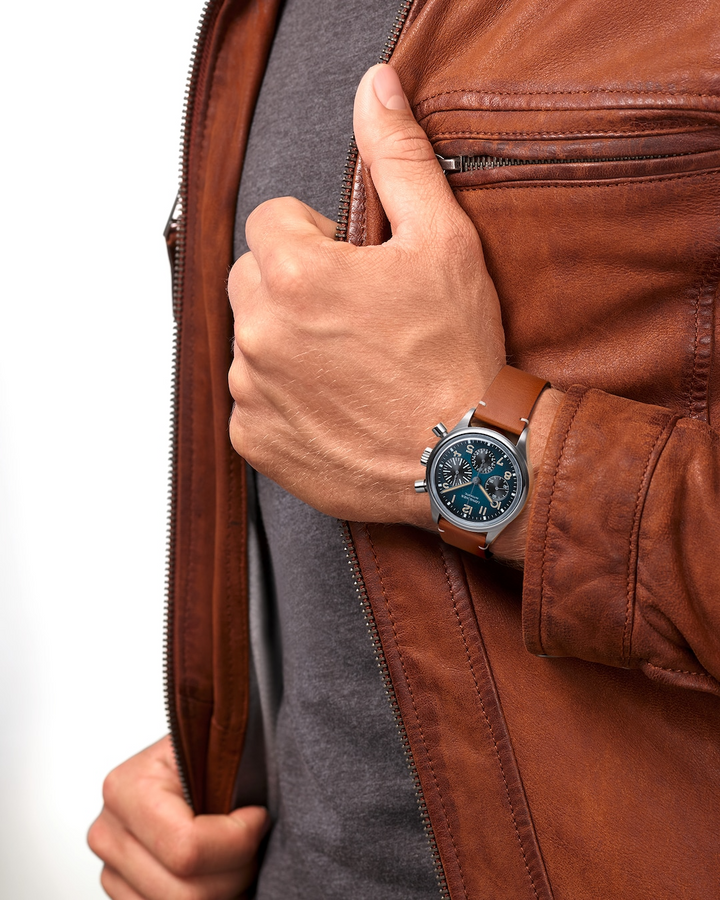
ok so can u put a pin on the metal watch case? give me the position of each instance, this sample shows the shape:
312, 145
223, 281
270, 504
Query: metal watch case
517, 452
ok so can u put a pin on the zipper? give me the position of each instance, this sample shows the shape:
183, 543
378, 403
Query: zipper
176, 224
477, 163
351, 159
394, 706
341, 233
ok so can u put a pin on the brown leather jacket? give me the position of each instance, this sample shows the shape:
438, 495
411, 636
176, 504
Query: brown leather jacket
563, 727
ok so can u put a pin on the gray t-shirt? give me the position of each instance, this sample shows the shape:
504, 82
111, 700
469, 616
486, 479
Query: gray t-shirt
346, 821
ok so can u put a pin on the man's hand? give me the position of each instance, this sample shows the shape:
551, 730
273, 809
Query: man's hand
345, 356
155, 849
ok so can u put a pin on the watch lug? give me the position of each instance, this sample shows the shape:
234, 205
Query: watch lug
465, 421
521, 445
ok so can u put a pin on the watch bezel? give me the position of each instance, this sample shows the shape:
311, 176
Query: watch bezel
513, 450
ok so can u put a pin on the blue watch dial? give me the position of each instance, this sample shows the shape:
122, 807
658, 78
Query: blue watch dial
475, 478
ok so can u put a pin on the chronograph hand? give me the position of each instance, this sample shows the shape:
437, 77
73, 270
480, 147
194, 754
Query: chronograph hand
494, 503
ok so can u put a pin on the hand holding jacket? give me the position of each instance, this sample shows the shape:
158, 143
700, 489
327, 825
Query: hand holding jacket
346, 356
155, 849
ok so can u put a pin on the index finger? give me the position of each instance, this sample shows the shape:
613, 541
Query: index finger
286, 218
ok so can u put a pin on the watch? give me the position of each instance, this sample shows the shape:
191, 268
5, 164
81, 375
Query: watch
477, 476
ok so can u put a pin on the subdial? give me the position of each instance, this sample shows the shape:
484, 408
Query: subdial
497, 487
456, 471
483, 460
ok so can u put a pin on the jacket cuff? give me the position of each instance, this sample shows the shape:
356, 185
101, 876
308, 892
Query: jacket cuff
581, 555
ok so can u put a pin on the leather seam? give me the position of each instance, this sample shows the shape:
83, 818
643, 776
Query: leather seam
229, 779
545, 550
702, 318
574, 133
638, 181
626, 648
676, 671
414, 706
487, 722
582, 93
191, 525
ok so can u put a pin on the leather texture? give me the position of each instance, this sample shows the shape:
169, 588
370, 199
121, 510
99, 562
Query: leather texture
509, 400
208, 591
470, 541
595, 773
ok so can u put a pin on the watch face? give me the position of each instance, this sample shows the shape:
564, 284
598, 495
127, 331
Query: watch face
476, 479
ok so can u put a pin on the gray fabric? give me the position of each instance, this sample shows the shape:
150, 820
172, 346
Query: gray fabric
348, 824
346, 821
257, 781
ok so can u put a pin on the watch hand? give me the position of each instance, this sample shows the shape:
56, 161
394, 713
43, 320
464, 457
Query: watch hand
494, 503
457, 487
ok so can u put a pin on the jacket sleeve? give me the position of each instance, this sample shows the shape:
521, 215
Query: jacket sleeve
623, 556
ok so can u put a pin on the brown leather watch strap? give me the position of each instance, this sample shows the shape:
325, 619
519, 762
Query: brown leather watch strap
471, 541
509, 400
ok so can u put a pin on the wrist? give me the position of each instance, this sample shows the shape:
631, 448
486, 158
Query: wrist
509, 547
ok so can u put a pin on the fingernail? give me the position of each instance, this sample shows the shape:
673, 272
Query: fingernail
388, 89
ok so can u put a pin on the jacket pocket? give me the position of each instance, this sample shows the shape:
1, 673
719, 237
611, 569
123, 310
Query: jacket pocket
601, 230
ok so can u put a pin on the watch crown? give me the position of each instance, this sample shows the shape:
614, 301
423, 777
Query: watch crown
426, 456
420, 487
440, 430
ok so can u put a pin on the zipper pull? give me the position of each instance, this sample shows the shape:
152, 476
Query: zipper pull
450, 163
171, 230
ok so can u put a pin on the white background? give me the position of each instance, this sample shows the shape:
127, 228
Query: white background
91, 107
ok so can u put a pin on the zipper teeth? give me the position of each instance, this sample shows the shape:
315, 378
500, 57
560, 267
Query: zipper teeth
395, 29
394, 706
179, 222
341, 234
343, 219
473, 163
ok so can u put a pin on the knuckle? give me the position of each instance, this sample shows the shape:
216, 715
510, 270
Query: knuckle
260, 217
107, 881
266, 215
237, 380
111, 788
97, 838
182, 856
284, 272
248, 341
237, 433
239, 274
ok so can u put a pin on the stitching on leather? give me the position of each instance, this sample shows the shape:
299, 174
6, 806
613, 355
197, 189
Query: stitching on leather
543, 586
601, 91
703, 675
693, 375
580, 136
633, 556
414, 706
487, 722
191, 525
228, 780
710, 277
639, 181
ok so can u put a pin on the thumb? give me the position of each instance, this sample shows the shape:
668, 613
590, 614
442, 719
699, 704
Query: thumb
410, 183
226, 842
